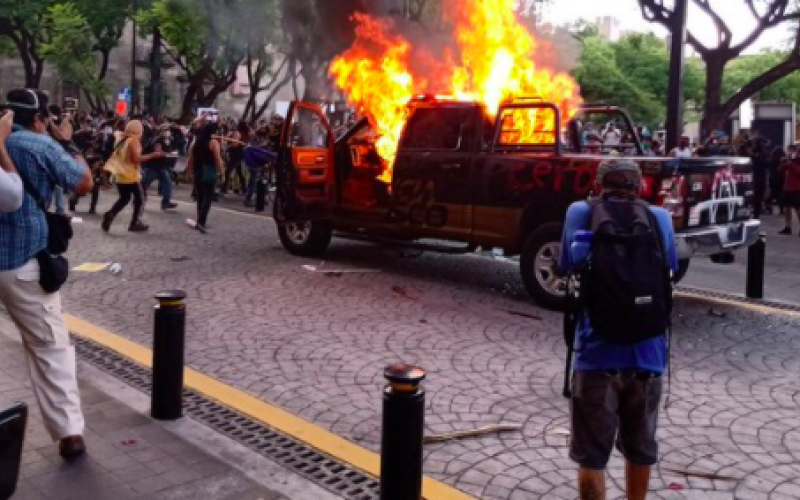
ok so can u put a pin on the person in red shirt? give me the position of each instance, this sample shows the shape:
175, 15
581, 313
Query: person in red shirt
790, 170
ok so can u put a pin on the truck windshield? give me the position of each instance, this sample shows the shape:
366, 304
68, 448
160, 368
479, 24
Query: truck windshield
527, 126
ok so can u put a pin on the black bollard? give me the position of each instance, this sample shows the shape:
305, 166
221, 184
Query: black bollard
169, 335
756, 260
401, 436
261, 195
13, 421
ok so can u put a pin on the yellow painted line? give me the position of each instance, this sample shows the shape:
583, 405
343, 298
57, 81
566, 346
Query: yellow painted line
764, 309
269, 414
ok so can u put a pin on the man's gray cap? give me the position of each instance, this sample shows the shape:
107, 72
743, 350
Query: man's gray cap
618, 165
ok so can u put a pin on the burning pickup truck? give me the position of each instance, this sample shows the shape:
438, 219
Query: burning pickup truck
462, 180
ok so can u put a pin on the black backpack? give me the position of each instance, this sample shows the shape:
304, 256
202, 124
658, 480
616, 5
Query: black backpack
626, 288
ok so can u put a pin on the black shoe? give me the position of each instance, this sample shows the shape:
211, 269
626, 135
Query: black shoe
108, 218
92, 211
71, 447
169, 206
200, 228
138, 227
786, 230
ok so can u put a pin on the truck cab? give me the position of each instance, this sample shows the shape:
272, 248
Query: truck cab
463, 179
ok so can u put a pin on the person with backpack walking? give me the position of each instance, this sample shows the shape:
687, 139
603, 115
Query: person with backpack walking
623, 252
205, 165
125, 165
158, 168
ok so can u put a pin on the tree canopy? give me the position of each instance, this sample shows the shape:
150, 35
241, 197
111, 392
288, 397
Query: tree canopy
766, 14
633, 73
745, 68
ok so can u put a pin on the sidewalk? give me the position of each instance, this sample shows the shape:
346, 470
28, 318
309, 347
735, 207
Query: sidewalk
130, 455
782, 273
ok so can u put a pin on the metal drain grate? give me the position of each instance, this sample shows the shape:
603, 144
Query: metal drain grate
292, 454
782, 306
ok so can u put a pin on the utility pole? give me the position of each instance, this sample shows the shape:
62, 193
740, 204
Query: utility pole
675, 99
155, 74
133, 55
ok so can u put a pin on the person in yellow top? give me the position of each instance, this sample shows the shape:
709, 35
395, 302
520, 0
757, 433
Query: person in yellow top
125, 166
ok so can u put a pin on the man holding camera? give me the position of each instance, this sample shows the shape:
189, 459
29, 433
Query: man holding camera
41, 154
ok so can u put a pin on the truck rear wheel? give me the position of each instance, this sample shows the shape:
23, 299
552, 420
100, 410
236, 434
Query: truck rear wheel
683, 268
538, 261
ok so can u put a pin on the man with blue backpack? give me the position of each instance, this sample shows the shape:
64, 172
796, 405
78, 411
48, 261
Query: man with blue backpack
620, 252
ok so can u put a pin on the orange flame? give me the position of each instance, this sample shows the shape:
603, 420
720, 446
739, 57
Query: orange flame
497, 61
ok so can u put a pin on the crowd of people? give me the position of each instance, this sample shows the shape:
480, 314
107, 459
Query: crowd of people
45, 153
133, 153
776, 171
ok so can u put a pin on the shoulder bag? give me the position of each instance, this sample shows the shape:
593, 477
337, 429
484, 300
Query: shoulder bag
53, 267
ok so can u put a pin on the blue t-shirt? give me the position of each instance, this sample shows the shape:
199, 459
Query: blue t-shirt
44, 164
592, 353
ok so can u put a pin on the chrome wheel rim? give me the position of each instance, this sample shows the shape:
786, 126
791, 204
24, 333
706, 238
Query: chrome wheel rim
298, 232
544, 267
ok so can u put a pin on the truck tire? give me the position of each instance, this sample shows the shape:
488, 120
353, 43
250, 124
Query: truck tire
683, 268
537, 265
304, 239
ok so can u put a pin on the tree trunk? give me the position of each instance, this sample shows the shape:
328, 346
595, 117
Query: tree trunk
104, 57
33, 71
264, 105
292, 70
313, 82
717, 111
90, 100
713, 112
189, 100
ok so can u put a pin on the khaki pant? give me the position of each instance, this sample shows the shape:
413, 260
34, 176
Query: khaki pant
50, 355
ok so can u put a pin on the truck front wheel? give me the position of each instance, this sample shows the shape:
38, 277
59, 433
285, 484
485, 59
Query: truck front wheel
305, 239
538, 261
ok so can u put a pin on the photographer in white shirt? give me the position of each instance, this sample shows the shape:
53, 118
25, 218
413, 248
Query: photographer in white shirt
11, 189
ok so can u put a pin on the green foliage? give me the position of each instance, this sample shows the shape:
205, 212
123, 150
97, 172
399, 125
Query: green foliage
7, 48
219, 32
632, 73
184, 28
744, 69
69, 47
106, 19
24, 14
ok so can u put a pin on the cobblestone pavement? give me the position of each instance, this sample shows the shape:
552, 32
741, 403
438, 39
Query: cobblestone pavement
315, 344
782, 276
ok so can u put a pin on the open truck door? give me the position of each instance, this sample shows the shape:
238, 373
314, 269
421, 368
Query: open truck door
305, 174
306, 181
